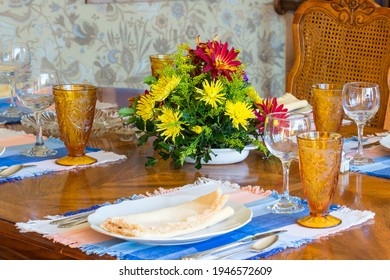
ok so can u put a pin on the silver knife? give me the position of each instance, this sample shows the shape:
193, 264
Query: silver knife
240, 242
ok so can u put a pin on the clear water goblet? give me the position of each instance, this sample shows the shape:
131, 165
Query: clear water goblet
360, 103
280, 137
34, 88
14, 56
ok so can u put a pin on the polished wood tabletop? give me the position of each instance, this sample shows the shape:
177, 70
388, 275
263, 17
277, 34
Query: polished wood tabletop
59, 192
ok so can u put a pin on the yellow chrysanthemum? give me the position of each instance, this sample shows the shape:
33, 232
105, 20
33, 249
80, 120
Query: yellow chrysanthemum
164, 87
239, 112
170, 123
197, 129
145, 107
253, 95
211, 93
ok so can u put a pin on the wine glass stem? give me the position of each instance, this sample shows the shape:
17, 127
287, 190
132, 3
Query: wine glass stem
360, 127
286, 181
13, 92
39, 138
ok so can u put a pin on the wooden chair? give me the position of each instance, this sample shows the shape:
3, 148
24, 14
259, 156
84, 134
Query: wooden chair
339, 41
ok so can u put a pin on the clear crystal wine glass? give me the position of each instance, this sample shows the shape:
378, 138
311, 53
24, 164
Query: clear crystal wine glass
34, 88
360, 103
14, 56
280, 137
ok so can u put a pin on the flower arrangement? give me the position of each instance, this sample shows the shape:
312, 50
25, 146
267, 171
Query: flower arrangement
201, 102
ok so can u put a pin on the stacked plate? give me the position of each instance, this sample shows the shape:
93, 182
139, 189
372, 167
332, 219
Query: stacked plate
385, 142
242, 215
105, 121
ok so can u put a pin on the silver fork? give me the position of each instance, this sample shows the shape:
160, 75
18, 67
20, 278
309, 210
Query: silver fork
71, 221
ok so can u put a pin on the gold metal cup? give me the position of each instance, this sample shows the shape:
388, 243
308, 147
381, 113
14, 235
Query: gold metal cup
319, 155
327, 107
159, 61
75, 109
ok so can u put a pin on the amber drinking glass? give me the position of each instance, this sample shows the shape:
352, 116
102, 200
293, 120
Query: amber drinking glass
75, 109
327, 106
158, 62
319, 154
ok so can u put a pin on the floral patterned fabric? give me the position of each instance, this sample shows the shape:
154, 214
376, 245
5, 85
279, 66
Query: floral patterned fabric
110, 44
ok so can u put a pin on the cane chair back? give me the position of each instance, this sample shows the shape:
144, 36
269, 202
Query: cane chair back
339, 41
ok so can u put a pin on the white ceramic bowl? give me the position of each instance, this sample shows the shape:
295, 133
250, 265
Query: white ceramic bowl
225, 156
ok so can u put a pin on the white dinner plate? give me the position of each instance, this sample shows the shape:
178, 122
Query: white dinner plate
305, 110
242, 215
385, 142
2, 149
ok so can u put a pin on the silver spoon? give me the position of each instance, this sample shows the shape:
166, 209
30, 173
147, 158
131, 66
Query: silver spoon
258, 246
8, 171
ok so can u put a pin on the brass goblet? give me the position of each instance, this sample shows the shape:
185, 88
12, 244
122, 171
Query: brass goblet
75, 108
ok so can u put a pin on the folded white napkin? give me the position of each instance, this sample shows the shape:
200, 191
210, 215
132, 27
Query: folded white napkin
291, 102
180, 219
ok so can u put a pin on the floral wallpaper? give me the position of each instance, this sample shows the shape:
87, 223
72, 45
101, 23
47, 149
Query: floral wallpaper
109, 44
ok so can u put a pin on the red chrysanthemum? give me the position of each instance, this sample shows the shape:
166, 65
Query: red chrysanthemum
265, 107
218, 58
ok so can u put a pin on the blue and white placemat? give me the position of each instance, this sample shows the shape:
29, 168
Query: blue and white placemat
380, 155
43, 165
92, 242
4, 105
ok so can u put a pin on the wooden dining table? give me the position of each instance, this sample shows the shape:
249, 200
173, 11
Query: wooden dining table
58, 192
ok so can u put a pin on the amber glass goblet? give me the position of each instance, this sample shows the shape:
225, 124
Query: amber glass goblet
327, 106
158, 62
319, 157
75, 108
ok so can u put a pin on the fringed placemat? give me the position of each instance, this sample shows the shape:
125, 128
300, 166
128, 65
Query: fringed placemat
16, 142
253, 197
